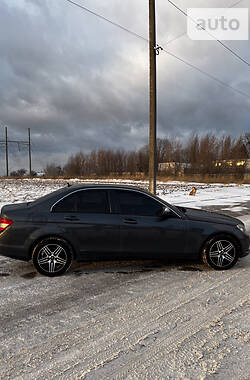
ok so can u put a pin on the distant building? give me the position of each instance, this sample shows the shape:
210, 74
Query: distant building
173, 167
233, 163
179, 168
40, 174
248, 164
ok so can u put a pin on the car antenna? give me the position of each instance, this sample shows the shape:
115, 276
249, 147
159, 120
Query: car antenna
68, 184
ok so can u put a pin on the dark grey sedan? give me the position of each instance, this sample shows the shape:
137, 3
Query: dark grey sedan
91, 222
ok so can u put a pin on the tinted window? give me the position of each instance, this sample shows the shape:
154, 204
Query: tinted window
68, 204
133, 203
86, 201
46, 197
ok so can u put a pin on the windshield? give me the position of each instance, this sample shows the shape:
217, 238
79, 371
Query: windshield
174, 208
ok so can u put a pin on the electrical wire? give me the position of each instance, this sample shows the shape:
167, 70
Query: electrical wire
234, 5
176, 38
208, 75
107, 20
210, 34
185, 33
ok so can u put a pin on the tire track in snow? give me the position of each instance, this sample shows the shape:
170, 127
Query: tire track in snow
143, 318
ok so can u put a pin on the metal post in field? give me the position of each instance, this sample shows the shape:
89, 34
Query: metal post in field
29, 149
6, 152
152, 96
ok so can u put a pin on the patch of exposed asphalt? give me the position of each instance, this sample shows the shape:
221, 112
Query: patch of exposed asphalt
4, 274
29, 275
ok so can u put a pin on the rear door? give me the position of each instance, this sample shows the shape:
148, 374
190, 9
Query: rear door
85, 216
144, 232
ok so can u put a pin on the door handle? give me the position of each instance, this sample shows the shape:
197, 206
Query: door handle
71, 218
130, 221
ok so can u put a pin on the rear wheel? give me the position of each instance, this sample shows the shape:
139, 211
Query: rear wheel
220, 253
52, 257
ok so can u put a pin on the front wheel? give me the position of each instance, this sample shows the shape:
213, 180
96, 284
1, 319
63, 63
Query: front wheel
220, 253
52, 257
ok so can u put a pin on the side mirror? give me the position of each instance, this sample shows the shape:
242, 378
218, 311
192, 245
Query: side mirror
166, 212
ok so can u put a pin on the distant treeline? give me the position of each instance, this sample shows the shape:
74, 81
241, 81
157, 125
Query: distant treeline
199, 155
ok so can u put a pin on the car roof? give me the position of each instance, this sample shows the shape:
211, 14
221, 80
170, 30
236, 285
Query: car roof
64, 191
52, 198
104, 186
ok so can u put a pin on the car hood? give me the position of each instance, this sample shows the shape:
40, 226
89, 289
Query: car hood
207, 216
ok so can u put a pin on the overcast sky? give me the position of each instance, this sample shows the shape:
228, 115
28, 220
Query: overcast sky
80, 83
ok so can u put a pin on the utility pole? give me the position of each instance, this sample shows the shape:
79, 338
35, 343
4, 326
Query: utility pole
152, 93
5, 143
29, 148
6, 152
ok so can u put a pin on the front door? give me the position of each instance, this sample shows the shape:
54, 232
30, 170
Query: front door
144, 232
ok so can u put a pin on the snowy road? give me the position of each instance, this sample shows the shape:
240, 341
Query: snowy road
136, 320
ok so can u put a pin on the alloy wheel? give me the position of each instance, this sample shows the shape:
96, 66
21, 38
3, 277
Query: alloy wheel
222, 253
52, 258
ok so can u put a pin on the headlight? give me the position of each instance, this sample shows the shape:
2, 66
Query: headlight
241, 227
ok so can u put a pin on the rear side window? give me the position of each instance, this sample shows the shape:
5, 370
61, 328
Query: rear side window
67, 204
134, 203
85, 201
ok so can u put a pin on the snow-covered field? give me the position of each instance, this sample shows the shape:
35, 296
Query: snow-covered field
13, 191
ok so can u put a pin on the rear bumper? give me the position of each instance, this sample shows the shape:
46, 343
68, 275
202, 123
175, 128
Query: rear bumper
13, 244
14, 252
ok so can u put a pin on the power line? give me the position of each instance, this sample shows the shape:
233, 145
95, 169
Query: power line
176, 38
19, 144
208, 75
107, 20
210, 34
234, 5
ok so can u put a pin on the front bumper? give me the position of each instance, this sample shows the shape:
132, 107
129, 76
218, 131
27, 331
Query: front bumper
245, 246
245, 253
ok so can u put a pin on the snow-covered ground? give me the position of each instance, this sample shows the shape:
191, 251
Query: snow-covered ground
13, 191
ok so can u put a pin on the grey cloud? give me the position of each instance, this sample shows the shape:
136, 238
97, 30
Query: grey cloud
81, 84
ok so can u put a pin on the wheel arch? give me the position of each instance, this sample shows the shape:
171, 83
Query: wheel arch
51, 236
224, 234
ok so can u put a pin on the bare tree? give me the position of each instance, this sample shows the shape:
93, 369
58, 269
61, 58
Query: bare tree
202, 153
53, 170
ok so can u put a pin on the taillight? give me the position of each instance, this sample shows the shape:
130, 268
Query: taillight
4, 223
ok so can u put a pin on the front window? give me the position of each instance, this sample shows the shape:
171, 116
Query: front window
135, 203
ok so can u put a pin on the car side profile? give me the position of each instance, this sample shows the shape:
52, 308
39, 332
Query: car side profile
107, 222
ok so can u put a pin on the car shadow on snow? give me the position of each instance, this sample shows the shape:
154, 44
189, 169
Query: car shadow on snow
131, 267
140, 266
120, 268
25, 270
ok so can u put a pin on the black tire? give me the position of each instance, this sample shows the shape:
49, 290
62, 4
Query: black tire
52, 257
220, 252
